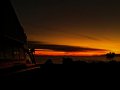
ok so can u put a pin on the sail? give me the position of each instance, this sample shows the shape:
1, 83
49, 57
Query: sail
11, 27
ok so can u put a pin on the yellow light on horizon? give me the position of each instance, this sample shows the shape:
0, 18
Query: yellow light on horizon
61, 53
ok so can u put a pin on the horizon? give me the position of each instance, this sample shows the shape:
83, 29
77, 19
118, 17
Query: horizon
60, 53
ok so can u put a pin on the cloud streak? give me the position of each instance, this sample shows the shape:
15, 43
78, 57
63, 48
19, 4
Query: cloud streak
90, 38
64, 48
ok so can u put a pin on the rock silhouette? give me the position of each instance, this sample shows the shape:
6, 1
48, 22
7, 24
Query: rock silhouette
110, 56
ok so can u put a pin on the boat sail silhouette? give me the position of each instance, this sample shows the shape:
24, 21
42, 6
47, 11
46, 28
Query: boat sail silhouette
13, 40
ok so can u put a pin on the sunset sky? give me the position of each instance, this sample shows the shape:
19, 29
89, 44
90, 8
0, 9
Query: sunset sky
70, 27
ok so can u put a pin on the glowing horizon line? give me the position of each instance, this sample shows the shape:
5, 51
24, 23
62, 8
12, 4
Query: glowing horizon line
41, 52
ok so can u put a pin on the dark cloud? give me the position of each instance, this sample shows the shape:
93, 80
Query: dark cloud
65, 48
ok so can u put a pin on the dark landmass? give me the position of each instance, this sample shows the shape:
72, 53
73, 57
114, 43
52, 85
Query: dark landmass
69, 68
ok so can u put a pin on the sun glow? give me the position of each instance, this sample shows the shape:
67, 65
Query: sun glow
47, 52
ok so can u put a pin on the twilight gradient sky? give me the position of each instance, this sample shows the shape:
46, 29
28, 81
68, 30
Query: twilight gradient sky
87, 24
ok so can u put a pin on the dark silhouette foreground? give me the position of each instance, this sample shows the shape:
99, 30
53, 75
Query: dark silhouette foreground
110, 56
73, 69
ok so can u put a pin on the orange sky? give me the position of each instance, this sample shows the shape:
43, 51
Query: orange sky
76, 23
